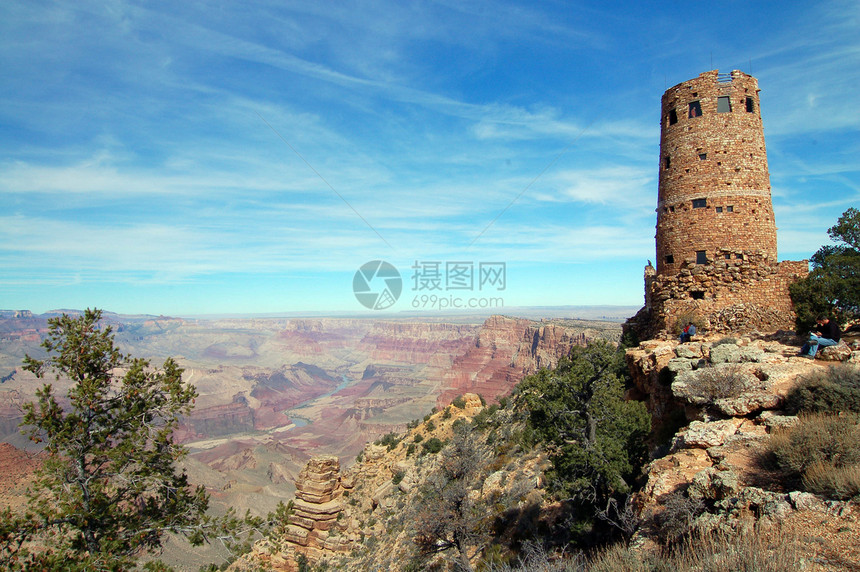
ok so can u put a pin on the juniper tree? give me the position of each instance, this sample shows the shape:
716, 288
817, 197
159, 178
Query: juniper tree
833, 286
109, 488
597, 439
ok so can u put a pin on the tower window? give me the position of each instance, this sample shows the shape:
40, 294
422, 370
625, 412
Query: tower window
695, 109
730, 209
697, 295
673, 116
728, 256
666, 162
670, 259
750, 105
701, 257
700, 203
719, 209
724, 104
703, 156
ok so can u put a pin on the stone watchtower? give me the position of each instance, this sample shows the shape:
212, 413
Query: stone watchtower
716, 235
713, 199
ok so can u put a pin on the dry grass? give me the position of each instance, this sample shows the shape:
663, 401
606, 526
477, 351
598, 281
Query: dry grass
752, 550
834, 482
821, 453
719, 382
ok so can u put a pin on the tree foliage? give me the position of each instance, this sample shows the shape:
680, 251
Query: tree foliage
109, 488
597, 438
833, 286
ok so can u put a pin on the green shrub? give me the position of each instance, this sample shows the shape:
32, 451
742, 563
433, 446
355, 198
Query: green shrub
397, 477
834, 390
833, 286
390, 440
446, 413
418, 437
459, 402
430, 426
432, 445
483, 417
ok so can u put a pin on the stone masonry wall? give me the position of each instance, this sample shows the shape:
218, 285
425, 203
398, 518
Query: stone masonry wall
744, 292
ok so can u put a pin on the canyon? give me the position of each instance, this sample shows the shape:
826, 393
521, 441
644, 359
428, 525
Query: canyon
275, 392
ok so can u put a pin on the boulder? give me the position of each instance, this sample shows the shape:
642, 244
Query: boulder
839, 352
725, 353
705, 434
714, 484
679, 364
689, 351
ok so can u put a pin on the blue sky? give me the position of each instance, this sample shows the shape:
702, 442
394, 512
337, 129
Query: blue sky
208, 157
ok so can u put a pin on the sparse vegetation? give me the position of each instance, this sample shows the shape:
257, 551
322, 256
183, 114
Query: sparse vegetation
834, 390
821, 454
836, 482
448, 516
725, 341
719, 382
389, 440
676, 521
459, 402
756, 550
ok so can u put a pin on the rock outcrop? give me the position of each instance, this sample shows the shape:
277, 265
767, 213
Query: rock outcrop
355, 520
721, 401
729, 377
314, 529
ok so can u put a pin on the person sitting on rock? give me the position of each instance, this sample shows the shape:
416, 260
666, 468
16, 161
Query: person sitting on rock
828, 334
688, 332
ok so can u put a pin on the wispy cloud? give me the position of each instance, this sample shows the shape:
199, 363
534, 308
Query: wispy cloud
133, 147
